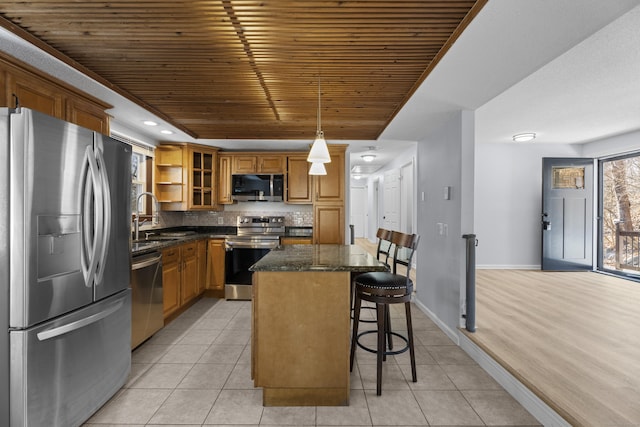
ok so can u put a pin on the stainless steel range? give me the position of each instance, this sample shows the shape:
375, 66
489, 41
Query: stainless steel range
257, 235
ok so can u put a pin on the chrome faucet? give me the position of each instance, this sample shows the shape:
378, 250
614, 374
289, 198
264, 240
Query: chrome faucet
155, 217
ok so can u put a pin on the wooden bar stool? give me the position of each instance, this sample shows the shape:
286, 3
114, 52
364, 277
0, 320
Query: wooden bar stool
383, 250
383, 289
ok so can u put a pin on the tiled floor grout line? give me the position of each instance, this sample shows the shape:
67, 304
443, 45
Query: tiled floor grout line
440, 361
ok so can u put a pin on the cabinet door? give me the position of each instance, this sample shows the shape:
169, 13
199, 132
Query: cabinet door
271, 164
298, 180
34, 94
189, 287
171, 277
328, 224
215, 265
224, 180
330, 187
87, 115
244, 164
202, 179
202, 266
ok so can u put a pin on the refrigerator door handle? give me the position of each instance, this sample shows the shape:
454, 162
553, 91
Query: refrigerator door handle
92, 225
78, 324
104, 232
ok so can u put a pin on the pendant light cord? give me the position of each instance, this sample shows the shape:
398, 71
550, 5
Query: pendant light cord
318, 131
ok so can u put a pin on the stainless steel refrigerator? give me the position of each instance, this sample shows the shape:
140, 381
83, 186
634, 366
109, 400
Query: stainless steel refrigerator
65, 303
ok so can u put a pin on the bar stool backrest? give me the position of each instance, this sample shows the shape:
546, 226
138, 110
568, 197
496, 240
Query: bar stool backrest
384, 245
400, 255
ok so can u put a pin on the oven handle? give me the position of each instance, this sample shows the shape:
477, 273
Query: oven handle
229, 246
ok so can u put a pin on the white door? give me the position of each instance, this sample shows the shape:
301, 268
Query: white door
358, 210
391, 213
406, 199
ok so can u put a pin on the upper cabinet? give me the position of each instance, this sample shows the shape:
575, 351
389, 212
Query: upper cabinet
329, 188
185, 177
329, 200
258, 163
27, 87
224, 179
298, 180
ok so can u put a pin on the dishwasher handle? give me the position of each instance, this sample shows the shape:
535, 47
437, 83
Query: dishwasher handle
146, 261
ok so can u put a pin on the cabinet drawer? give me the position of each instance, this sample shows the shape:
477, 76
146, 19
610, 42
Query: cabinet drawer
170, 255
189, 250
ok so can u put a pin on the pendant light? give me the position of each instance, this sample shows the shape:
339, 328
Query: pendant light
319, 152
317, 169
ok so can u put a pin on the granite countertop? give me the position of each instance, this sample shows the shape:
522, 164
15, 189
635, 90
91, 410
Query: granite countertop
319, 258
165, 238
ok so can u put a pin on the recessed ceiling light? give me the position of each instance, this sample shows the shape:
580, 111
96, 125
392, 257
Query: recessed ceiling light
166, 132
357, 176
524, 137
368, 157
150, 123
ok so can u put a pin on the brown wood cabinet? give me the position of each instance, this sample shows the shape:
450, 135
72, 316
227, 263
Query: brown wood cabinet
171, 279
329, 200
189, 273
224, 179
202, 178
30, 88
215, 267
298, 180
330, 188
186, 177
296, 240
202, 265
258, 163
183, 275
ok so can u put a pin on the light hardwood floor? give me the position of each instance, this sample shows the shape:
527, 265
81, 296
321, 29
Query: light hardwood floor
572, 338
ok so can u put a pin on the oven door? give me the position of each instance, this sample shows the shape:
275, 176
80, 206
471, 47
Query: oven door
240, 255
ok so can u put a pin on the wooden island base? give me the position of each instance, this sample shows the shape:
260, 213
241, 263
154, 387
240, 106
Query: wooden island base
300, 337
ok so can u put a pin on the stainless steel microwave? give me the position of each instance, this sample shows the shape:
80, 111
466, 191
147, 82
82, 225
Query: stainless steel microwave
257, 188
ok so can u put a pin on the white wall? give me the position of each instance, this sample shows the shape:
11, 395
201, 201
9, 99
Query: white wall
508, 197
620, 144
445, 159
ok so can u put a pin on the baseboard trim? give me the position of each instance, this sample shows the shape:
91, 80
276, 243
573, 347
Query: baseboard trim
508, 267
452, 334
532, 403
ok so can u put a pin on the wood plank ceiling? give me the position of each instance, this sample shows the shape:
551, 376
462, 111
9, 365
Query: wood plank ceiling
249, 69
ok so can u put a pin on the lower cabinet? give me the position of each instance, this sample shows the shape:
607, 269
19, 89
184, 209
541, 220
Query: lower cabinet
299, 240
182, 275
189, 289
202, 266
171, 279
215, 267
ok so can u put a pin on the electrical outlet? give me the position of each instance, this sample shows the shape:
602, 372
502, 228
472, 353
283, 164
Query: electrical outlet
220, 220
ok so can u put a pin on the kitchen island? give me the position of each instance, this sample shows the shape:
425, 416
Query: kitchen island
301, 322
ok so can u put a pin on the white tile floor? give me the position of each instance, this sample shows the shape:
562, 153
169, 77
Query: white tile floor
196, 371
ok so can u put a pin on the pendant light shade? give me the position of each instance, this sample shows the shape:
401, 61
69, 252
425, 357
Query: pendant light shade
319, 152
317, 169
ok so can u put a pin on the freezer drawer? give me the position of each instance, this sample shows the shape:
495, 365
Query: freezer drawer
62, 371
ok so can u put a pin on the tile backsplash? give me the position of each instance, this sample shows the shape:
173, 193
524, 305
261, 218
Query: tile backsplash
295, 215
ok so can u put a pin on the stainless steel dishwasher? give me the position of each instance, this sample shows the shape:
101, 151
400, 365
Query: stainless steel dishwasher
146, 297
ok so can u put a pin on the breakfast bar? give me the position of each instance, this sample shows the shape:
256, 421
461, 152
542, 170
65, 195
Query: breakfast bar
301, 322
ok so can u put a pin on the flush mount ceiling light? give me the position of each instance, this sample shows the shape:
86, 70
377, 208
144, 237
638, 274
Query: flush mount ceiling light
317, 169
319, 152
368, 157
150, 123
524, 137
166, 132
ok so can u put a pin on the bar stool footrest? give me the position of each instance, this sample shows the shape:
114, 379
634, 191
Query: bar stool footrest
386, 352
